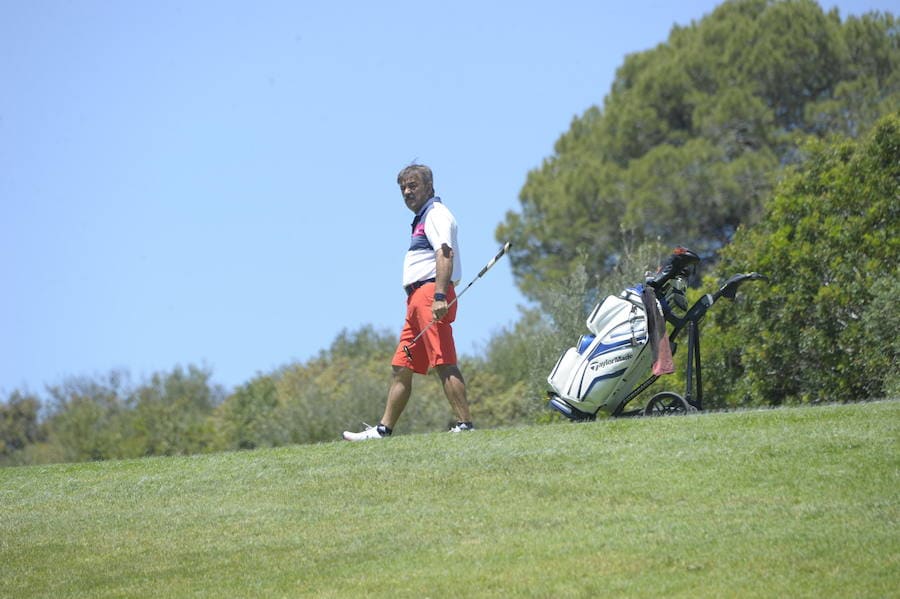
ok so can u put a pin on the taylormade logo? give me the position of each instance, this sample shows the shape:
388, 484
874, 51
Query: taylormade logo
610, 361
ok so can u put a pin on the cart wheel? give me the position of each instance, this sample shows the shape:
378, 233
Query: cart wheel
667, 403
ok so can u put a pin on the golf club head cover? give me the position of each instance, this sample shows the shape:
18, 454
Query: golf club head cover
678, 264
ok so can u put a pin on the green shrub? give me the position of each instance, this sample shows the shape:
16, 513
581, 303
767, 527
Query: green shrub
824, 329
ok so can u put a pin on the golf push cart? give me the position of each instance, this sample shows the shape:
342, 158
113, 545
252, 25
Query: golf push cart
607, 368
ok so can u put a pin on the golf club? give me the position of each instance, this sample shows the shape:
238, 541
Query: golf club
486, 268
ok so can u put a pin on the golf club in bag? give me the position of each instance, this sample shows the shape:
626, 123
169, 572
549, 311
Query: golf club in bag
486, 268
627, 340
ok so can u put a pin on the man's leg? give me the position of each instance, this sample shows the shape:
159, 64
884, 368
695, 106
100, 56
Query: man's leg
455, 390
398, 395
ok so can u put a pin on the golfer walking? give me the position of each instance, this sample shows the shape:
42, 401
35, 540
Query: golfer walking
430, 270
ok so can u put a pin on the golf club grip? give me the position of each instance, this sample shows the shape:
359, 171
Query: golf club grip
494, 259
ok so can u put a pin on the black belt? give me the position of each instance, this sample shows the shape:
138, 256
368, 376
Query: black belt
413, 286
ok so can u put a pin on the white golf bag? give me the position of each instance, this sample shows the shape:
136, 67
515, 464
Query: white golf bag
606, 364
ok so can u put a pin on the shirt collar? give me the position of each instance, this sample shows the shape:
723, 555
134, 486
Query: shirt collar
425, 208
428, 205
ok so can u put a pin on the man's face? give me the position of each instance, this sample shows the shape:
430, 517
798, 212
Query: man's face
415, 194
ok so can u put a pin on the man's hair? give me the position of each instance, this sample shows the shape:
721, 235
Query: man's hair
422, 171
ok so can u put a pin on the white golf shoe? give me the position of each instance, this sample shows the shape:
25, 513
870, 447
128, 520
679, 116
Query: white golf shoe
371, 432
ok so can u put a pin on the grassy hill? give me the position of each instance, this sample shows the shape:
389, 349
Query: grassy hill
778, 503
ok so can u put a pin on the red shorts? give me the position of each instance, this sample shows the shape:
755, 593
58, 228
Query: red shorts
436, 346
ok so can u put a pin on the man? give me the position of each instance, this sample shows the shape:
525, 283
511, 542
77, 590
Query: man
430, 270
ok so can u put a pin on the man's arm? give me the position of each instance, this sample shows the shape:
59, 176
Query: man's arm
444, 267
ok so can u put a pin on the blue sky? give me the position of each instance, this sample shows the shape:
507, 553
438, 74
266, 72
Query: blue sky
213, 183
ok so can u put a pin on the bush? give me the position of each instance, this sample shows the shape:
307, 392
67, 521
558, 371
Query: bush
825, 328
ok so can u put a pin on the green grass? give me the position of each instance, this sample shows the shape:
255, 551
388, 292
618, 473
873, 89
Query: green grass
778, 503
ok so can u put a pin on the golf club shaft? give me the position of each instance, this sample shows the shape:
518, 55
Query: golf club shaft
486, 268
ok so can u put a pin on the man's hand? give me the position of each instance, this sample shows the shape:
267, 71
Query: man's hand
439, 309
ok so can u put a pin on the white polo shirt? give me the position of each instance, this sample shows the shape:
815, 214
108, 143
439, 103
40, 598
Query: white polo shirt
433, 227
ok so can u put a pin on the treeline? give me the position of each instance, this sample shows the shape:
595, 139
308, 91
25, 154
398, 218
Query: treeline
106, 417
185, 412
766, 136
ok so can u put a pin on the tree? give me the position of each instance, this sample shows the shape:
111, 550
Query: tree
693, 135
172, 413
89, 418
249, 417
19, 425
